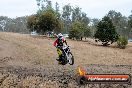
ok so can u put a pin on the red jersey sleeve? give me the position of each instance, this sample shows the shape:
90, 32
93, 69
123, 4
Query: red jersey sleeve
55, 43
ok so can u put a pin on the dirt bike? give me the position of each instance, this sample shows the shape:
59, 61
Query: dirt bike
65, 55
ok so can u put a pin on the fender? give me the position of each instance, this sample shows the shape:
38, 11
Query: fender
59, 51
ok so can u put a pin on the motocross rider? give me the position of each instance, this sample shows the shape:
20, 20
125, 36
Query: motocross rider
59, 42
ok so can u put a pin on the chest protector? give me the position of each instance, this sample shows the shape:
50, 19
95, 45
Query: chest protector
60, 42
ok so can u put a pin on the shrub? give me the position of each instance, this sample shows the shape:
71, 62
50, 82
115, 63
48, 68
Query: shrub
122, 42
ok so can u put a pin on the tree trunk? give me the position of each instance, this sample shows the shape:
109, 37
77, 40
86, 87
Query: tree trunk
81, 38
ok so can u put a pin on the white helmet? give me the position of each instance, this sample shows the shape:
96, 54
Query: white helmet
59, 35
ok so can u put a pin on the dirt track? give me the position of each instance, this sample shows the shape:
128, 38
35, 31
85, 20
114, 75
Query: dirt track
27, 61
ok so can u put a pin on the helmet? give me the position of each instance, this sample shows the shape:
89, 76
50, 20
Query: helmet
59, 35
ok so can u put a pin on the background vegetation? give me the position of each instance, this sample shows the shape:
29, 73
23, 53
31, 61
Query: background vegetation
71, 20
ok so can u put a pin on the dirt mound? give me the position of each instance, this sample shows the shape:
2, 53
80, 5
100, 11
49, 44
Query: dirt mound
57, 77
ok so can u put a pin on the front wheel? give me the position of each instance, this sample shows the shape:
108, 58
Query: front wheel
71, 58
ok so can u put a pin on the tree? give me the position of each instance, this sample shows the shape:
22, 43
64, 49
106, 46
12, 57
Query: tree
43, 4
130, 21
46, 21
120, 22
76, 14
57, 11
84, 18
106, 31
80, 23
46, 13
67, 9
87, 33
14, 25
130, 25
122, 42
3, 22
57, 7
93, 26
32, 22
115, 17
78, 30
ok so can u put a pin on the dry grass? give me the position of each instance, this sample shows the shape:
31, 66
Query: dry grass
30, 50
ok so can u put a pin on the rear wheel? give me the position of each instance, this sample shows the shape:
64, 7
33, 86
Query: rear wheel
71, 58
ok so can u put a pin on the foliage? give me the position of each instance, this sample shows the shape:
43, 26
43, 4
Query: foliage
122, 42
84, 18
13, 25
46, 21
87, 32
48, 18
79, 27
120, 22
130, 25
66, 13
130, 21
43, 5
31, 22
78, 30
115, 17
106, 31
93, 26
76, 14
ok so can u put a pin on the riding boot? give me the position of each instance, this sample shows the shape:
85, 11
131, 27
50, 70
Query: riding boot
59, 59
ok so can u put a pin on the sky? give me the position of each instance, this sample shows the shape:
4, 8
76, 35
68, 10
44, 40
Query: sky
93, 8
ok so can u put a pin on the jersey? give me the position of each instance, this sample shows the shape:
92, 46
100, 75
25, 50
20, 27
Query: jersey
59, 42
